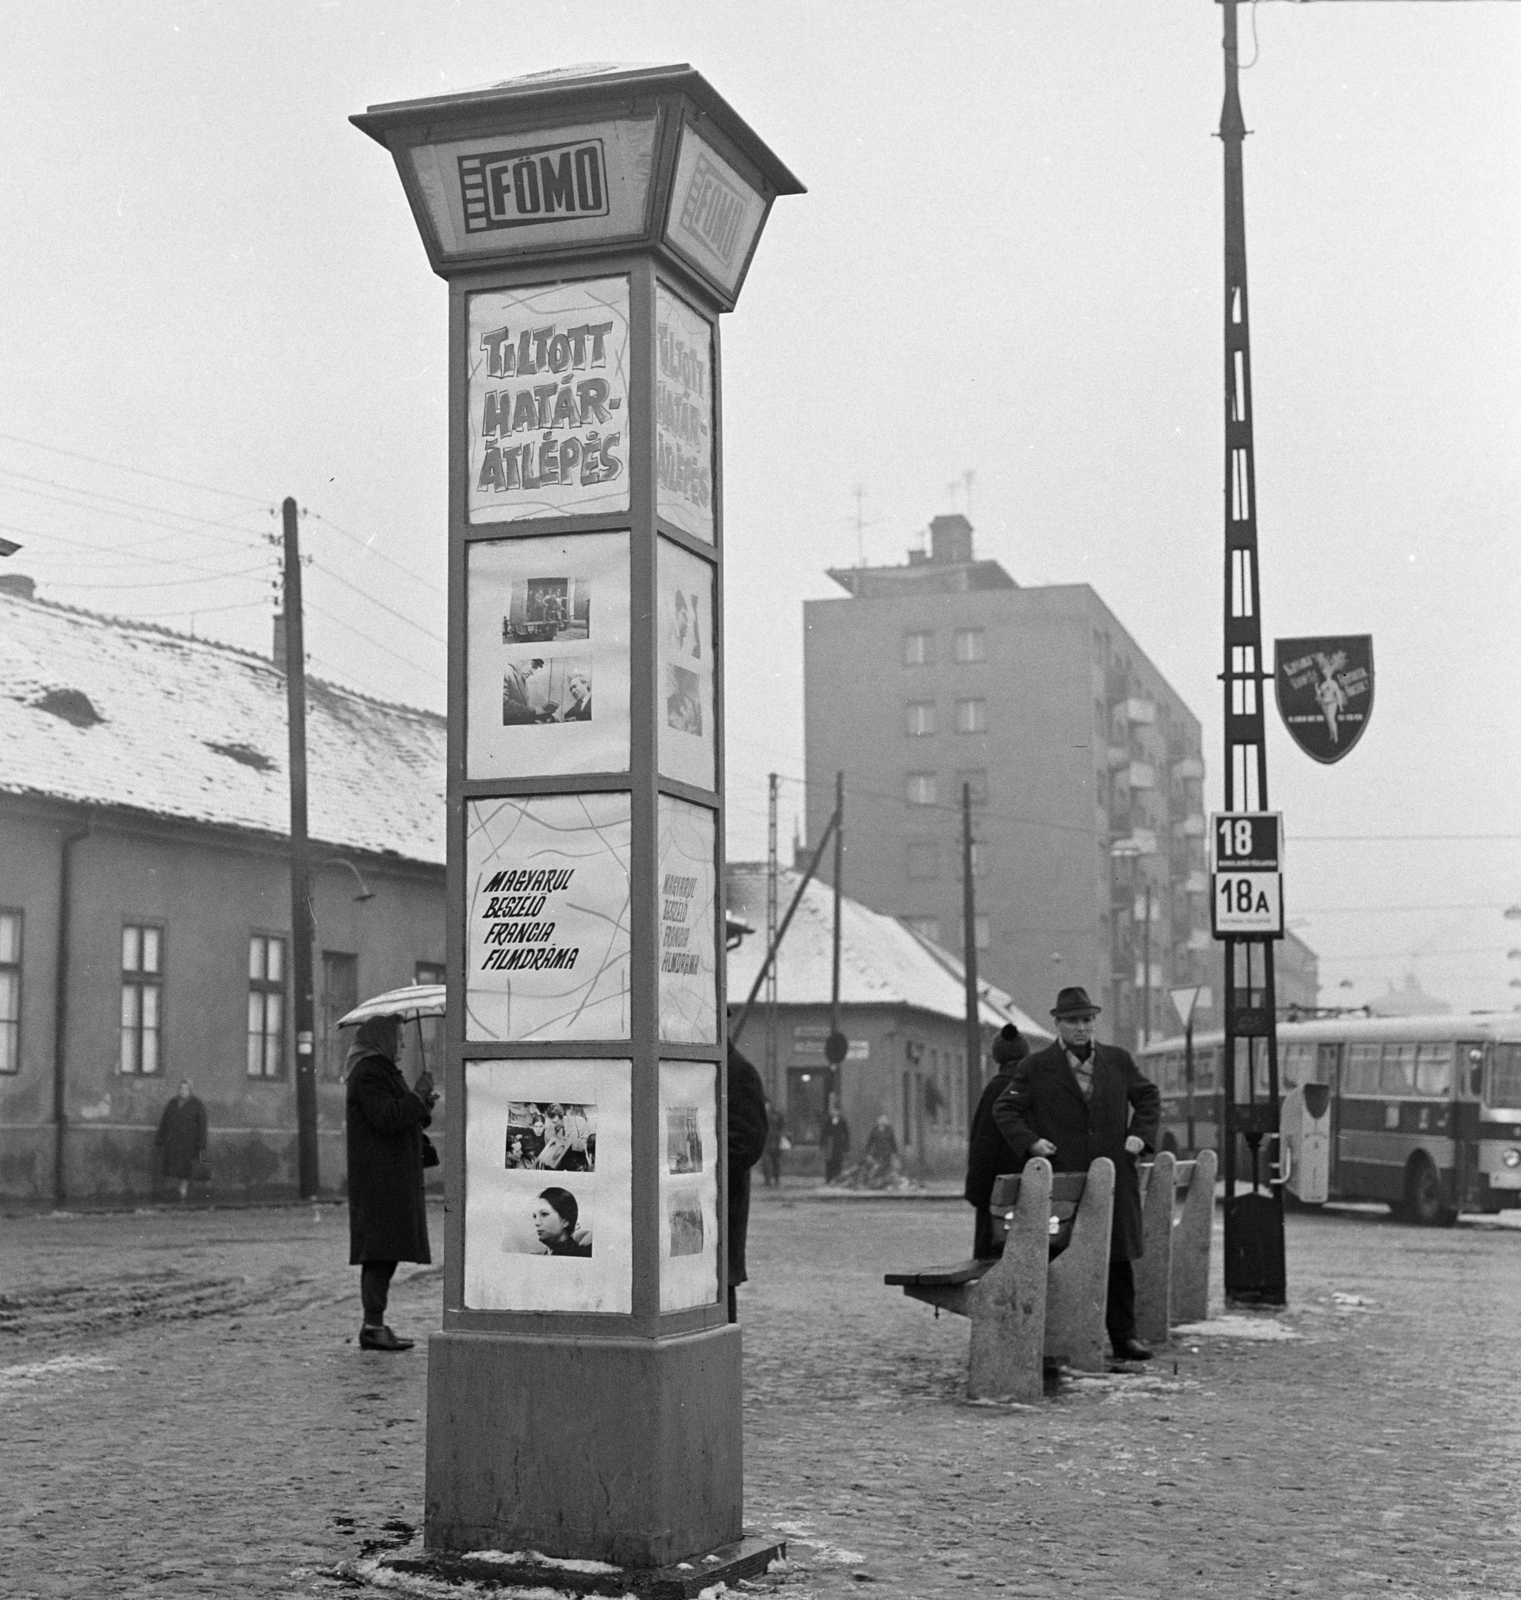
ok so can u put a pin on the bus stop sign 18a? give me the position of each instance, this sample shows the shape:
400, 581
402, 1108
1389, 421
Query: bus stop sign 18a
1246, 887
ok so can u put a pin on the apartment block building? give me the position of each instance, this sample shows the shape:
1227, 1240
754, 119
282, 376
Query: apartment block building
942, 678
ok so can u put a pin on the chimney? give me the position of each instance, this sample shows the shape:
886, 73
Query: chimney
277, 653
950, 539
18, 584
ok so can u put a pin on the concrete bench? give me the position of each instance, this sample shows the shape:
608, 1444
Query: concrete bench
1026, 1309
1172, 1277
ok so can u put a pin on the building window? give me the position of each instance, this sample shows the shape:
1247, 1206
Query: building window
923, 859
971, 716
925, 927
982, 932
266, 1006
975, 779
920, 788
918, 649
10, 991
971, 644
142, 977
340, 994
919, 718
979, 859
431, 1028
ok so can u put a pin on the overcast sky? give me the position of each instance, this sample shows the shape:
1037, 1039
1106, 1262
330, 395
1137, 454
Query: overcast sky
1008, 264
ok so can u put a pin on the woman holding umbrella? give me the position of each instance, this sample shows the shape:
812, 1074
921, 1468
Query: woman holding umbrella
388, 1222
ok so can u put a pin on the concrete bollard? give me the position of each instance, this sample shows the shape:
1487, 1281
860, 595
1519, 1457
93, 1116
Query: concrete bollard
1008, 1305
1153, 1272
1078, 1280
1191, 1241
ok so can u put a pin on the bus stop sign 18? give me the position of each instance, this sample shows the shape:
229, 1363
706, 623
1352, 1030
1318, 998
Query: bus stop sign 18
1246, 886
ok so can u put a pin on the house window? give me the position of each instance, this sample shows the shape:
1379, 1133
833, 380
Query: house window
925, 927
981, 932
142, 977
971, 716
340, 994
920, 788
266, 1006
971, 644
975, 779
431, 1028
10, 991
919, 718
923, 859
918, 649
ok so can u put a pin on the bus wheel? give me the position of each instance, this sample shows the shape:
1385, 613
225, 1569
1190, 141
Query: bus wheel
1423, 1195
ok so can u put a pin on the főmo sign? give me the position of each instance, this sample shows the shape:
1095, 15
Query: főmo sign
516, 188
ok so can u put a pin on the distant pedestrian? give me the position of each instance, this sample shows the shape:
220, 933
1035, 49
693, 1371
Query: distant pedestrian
776, 1143
1073, 1102
181, 1137
881, 1153
834, 1141
388, 1221
747, 1132
988, 1153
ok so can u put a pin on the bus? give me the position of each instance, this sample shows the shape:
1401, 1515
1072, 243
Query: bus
1425, 1111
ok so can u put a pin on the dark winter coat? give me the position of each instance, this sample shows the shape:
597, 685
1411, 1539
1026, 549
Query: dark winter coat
988, 1154
747, 1131
1043, 1101
387, 1217
181, 1136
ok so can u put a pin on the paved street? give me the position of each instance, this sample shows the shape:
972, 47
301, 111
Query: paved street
185, 1413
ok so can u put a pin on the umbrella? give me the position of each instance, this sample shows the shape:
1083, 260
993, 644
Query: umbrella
416, 1000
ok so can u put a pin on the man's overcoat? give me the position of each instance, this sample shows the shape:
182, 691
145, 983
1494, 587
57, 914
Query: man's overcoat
388, 1219
1043, 1101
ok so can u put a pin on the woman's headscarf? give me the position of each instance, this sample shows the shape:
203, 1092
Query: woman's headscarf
375, 1036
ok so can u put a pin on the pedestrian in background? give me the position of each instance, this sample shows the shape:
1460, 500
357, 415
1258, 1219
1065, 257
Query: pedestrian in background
747, 1130
181, 1137
989, 1154
1072, 1103
776, 1143
834, 1141
388, 1220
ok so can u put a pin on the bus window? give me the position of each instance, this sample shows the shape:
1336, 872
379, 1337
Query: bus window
1205, 1062
1433, 1069
1298, 1064
1505, 1077
1398, 1075
1362, 1069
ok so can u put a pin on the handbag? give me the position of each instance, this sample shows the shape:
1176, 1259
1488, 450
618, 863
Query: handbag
429, 1152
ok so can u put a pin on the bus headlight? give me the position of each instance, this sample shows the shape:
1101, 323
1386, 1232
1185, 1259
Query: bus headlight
1511, 1157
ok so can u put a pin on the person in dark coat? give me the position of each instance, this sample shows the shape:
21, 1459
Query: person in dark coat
988, 1152
1073, 1102
747, 1130
834, 1141
388, 1221
776, 1134
181, 1137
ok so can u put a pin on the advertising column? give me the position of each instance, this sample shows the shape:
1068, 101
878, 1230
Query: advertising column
584, 1392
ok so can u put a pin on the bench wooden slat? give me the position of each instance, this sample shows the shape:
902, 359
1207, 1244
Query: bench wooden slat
939, 1277
1066, 1187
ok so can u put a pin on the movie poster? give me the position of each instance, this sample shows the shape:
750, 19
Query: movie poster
688, 923
683, 415
684, 686
547, 1186
688, 1184
547, 430
548, 659
547, 917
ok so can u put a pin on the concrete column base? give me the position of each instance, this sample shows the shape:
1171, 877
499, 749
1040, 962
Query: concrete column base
619, 1450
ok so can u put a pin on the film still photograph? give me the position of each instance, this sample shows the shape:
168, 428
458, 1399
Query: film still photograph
683, 702
550, 1136
684, 1213
685, 633
539, 689
546, 610
683, 1139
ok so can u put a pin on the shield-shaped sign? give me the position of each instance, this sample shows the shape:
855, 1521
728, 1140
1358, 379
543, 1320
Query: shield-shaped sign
1325, 692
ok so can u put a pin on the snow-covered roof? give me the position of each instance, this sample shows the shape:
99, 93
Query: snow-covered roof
103, 711
881, 961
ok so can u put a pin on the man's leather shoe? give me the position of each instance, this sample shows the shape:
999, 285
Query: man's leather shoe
1129, 1350
384, 1339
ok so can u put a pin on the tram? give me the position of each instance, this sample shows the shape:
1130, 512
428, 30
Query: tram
1425, 1112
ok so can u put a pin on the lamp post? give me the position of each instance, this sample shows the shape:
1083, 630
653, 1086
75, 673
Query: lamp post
584, 1391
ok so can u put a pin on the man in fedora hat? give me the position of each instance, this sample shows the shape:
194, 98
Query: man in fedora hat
1073, 1102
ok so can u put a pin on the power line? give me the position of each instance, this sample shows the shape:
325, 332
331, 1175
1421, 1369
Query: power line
1394, 838
142, 472
369, 549
164, 583
196, 530
389, 610
1371, 911
429, 672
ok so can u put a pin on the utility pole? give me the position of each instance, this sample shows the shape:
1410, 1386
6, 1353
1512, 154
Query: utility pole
1146, 968
300, 865
1254, 1255
836, 1045
772, 873
969, 960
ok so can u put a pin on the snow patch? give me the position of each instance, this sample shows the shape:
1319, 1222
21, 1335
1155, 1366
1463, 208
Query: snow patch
532, 1558
42, 1372
1237, 1327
